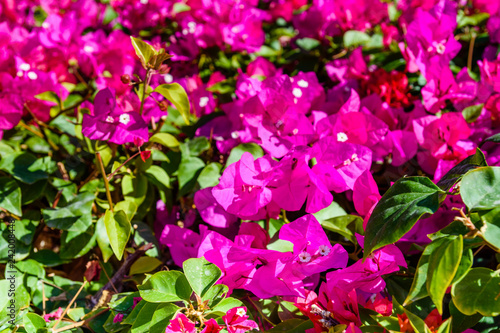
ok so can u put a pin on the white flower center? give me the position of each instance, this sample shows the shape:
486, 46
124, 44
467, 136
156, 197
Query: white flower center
241, 312
297, 92
303, 84
203, 101
88, 49
45, 25
168, 78
124, 119
324, 250
440, 48
235, 135
354, 157
144, 2
24, 67
295, 131
304, 257
32, 75
347, 162
110, 119
342, 137
192, 27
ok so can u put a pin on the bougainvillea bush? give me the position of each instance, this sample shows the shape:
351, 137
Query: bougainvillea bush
241, 165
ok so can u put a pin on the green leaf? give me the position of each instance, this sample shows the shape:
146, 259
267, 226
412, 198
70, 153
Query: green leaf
118, 230
201, 274
445, 326
23, 167
490, 230
144, 265
76, 244
135, 188
77, 216
443, 264
347, 226
353, 38
165, 139
143, 320
225, 305
166, 286
215, 294
493, 138
32, 322
189, 169
334, 210
307, 43
158, 176
10, 196
209, 176
143, 50
162, 316
478, 292
480, 188
461, 322
295, 325
398, 211
103, 240
458, 171
128, 207
49, 96
472, 112
239, 150
177, 96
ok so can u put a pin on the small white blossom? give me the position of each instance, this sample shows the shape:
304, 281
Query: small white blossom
124, 119
25, 67
303, 84
168, 78
347, 162
297, 92
354, 157
203, 101
88, 49
342, 137
32, 75
241, 312
324, 250
110, 119
304, 257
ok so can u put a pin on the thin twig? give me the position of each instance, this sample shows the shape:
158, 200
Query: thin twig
68, 327
117, 169
471, 51
69, 305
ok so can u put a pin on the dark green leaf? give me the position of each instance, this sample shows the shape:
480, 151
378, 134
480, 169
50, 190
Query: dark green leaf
215, 294
292, 326
346, 226
77, 216
478, 292
479, 188
22, 166
493, 138
166, 286
143, 320
458, 171
201, 274
398, 211
10, 196
460, 321
490, 230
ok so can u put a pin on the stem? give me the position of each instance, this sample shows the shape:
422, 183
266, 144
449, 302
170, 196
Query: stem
69, 305
471, 51
144, 88
74, 325
106, 183
128, 159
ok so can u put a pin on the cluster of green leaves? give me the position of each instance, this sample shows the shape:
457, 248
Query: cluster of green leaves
448, 261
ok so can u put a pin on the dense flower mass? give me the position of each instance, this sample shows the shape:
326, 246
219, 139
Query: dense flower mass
311, 165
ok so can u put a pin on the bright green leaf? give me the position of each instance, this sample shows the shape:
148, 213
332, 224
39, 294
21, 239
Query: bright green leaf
458, 171
118, 230
353, 38
201, 274
32, 322
471, 113
166, 286
165, 139
478, 292
177, 96
239, 150
209, 176
144, 265
162, 316
479, 188
143, 50
77, 216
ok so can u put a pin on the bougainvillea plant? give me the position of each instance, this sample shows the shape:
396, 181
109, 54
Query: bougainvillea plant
186, 166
